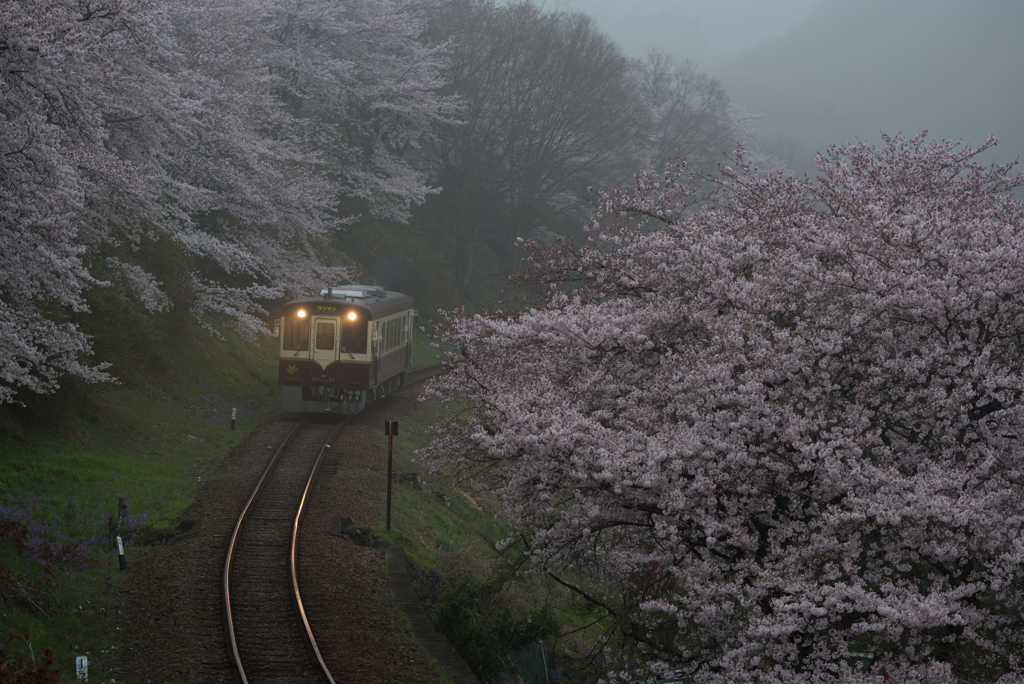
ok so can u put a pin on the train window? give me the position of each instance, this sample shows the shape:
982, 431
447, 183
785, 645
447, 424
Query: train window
324, 335
296, 334
353, 336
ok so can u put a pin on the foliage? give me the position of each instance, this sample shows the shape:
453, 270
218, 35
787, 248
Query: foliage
31, 670
403, 258
197, 157
484, 632
551, 106
226, 128
775, 422
691, 115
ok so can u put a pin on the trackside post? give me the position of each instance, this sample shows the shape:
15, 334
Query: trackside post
120, 553
390, 430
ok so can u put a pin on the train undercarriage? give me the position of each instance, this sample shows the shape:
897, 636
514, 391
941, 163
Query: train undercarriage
321, 399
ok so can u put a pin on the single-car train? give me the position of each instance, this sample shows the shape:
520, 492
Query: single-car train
344, 349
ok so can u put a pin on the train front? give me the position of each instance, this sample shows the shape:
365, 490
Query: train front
325, 359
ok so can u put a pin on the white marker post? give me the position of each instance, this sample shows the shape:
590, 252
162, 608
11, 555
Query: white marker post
82, 669
234, 414
120, 553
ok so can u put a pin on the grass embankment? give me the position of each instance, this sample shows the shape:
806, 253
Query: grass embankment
489, 605
67, 459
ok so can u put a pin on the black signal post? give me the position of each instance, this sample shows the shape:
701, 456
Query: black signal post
390, 430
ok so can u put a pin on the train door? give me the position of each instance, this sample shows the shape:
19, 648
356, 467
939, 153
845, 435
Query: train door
324, 352
375, 351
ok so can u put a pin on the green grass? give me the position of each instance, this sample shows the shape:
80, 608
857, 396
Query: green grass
442, 524
456, 533
408, 635
66, 459
423, 351
452, 528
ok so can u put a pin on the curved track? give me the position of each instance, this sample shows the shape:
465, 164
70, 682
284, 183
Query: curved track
268, 634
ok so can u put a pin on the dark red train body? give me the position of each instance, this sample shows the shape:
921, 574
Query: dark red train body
341, 350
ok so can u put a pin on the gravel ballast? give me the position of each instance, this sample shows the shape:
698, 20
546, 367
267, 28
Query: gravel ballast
172, 609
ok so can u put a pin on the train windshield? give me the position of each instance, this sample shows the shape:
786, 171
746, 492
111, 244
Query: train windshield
353, 336
324, 335
296, 334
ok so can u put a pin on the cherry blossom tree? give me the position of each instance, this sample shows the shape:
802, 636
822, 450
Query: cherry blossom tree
302, 104
51, 139
366, 89
232, 127
765, 426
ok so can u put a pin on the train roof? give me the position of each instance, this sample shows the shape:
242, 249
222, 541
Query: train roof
371, 298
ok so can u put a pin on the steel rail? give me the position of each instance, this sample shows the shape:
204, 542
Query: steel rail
292, 560
296, 597
426, 372
226, 580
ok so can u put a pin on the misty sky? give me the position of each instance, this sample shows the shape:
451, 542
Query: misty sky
832, 71
706, 31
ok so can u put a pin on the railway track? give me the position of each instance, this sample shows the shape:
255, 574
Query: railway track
269, 635
423, 373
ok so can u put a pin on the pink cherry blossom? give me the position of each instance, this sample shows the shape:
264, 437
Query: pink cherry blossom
231, 127
764, 421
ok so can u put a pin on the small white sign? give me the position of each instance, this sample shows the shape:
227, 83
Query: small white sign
120, 547
82, 666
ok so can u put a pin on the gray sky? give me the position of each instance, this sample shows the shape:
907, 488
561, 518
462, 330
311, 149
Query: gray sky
706, 31
831, 71
856, 68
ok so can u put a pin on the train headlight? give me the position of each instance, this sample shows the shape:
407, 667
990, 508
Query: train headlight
301, 313
352, 315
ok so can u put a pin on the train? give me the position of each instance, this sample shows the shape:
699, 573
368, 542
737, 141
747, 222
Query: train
345, 349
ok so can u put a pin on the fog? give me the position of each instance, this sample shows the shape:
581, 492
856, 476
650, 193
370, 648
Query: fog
705, 31
832, 71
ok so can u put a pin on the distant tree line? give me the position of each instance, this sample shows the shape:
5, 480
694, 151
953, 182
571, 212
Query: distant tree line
552, 107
